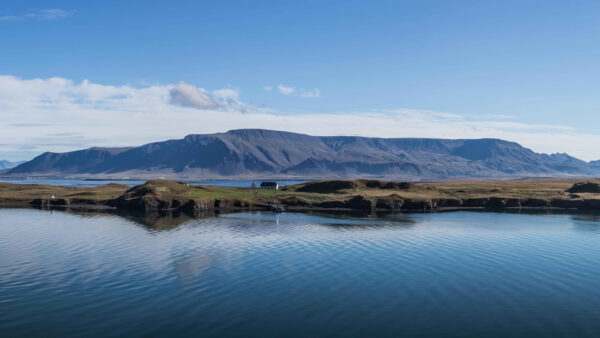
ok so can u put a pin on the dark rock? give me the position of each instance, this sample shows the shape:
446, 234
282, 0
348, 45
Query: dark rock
417, 205
583, 187
294, 201
331, 204
567, 204
476, 202
360, 203
535, 203
397, 185
592, 204
496, 202
448, 202
392, 202
199, 206
327, 187
502, 202
373, 184
513, 203
224, 204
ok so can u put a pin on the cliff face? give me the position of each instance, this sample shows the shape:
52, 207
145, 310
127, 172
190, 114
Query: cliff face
255, 153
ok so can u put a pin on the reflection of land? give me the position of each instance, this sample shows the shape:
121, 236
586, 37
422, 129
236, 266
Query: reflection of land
159, 220
165, 220
155, 220
587, 222
268, 222
364, 220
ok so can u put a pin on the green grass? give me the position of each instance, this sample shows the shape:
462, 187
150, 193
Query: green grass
28, 192
249, 195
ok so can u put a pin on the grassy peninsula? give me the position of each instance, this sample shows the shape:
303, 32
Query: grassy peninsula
362, 194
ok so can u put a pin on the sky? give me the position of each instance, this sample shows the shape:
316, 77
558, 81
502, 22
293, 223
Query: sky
77, 74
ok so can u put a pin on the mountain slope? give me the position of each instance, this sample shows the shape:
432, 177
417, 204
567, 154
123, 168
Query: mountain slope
255, 153
67, 163
4, 164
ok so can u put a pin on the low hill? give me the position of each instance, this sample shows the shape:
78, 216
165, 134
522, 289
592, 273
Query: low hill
255, 153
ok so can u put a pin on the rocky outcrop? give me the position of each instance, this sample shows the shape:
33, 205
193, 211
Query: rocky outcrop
535, 203
392, 202
584, 187
360, 203
335, 204
418, 205
476, 202
387, 185
154, 195
196, 206
327, 187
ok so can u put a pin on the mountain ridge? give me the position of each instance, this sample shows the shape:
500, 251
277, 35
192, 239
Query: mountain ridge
5, 164
261, 153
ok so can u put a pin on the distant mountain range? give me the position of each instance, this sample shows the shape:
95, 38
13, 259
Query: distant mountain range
4, 164
256, 153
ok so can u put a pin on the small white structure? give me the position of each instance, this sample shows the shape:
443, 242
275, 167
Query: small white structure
253, 185
268, 185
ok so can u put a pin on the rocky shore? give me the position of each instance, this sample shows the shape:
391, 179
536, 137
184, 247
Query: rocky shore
359, 195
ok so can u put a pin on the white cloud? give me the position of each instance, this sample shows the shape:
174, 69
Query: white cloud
57, 114
298, 92
44, 14
268, 88
285, 90
189, 96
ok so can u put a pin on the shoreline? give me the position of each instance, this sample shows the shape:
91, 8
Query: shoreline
330, 195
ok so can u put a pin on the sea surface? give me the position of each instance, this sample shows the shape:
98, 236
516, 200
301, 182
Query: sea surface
94, 183
458, 274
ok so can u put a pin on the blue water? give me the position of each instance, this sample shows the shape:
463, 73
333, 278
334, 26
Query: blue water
93, 183
461, 274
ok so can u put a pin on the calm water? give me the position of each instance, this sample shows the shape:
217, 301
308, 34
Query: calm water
461, 274
94, 183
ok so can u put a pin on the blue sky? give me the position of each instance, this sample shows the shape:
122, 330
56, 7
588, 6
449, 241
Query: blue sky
523, 70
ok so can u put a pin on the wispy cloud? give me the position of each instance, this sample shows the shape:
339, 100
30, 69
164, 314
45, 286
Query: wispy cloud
41, 14
57, 114
309, 93
298, 92
285, 90
501, 116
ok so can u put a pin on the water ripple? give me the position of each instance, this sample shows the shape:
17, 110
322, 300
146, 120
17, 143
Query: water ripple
264, 274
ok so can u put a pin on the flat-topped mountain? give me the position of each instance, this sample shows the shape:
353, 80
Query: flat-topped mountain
256, 153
